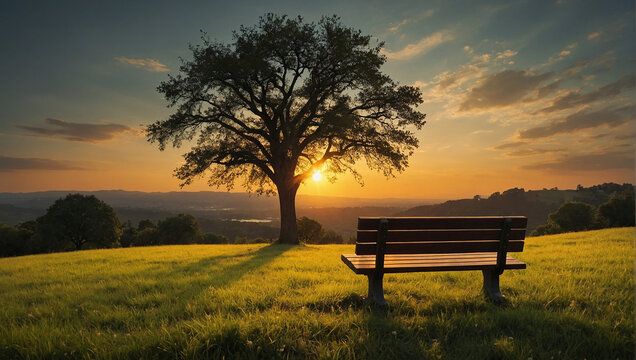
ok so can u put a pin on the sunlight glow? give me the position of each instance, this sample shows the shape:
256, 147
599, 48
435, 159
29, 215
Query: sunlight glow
317, 175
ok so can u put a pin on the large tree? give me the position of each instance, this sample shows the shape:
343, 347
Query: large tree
284, 99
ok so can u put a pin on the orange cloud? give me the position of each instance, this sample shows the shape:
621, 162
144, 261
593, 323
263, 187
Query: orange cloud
421, 46
76, 131
151, 65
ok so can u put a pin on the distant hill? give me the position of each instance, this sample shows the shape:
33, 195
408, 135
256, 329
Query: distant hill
211, 201
534, 204
229, 214
243, 214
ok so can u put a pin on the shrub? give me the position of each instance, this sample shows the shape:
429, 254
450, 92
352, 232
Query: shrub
146, 237
178, 230
309, 230
573, 216
546, 229
210, 238
618, 211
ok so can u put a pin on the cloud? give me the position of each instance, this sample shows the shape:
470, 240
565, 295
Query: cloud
397, 27
514, 144
548, 89
77, 131
456, 78
421, 46
505, 54
482, 59
562, 55
477, 132
597, 64
151, 65
533, 151
628, 136
17, 163
576, 98
502, 89
520, 148
615, 160
594, 35
581, 120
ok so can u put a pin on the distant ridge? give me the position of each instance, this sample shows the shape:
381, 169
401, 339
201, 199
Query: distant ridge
202, 200
534, 204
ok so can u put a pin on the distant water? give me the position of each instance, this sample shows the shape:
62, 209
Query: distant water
253, 220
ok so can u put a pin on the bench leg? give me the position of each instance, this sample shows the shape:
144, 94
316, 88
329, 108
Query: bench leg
376, 292
491, 287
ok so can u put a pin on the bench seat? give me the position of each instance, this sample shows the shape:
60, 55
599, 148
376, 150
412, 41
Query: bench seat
423, 244
401, 263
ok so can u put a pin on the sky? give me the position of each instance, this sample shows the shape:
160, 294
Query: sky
532, 94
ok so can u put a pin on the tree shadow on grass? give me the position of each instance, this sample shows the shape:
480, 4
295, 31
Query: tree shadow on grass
199, 276
232, 273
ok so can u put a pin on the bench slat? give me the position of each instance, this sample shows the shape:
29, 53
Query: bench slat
439, 247
360, 264
432, 256
462, 222
370, 260
440, 235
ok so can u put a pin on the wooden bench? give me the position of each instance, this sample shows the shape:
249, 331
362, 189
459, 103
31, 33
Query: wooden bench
421, 244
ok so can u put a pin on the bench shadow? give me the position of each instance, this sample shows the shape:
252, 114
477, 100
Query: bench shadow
477, 329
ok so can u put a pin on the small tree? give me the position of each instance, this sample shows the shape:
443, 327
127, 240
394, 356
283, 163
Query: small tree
16, 241
573, 216
128, 234
618, 210
309, 230
180, 229
79, 220
210, 238
285, 99
547, 229
146, 224
146, 237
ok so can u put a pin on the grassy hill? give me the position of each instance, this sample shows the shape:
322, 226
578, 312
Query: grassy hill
575, 300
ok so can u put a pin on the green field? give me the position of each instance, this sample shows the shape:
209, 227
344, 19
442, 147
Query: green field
574, 301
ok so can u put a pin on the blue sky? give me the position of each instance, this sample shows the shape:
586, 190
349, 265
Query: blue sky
522, 93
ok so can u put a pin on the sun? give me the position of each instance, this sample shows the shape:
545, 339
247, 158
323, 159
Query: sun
317, 175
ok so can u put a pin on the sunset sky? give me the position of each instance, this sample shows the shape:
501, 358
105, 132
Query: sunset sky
526, 94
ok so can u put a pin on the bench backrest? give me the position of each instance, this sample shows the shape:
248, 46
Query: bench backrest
438, 235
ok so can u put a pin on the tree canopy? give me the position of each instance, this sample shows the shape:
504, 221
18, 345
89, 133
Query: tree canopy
284, 99
77, 220
618, 210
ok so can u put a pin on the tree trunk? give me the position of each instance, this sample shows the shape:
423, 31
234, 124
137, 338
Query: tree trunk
288, 227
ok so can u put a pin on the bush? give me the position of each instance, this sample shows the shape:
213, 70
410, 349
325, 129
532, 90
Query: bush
179, 230
311, 231
16, 241
618, 211
146, 237
128, 234
573, 216
246, 240
546, 229
210, 238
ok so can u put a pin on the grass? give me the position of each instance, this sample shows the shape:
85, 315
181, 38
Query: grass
575, 300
